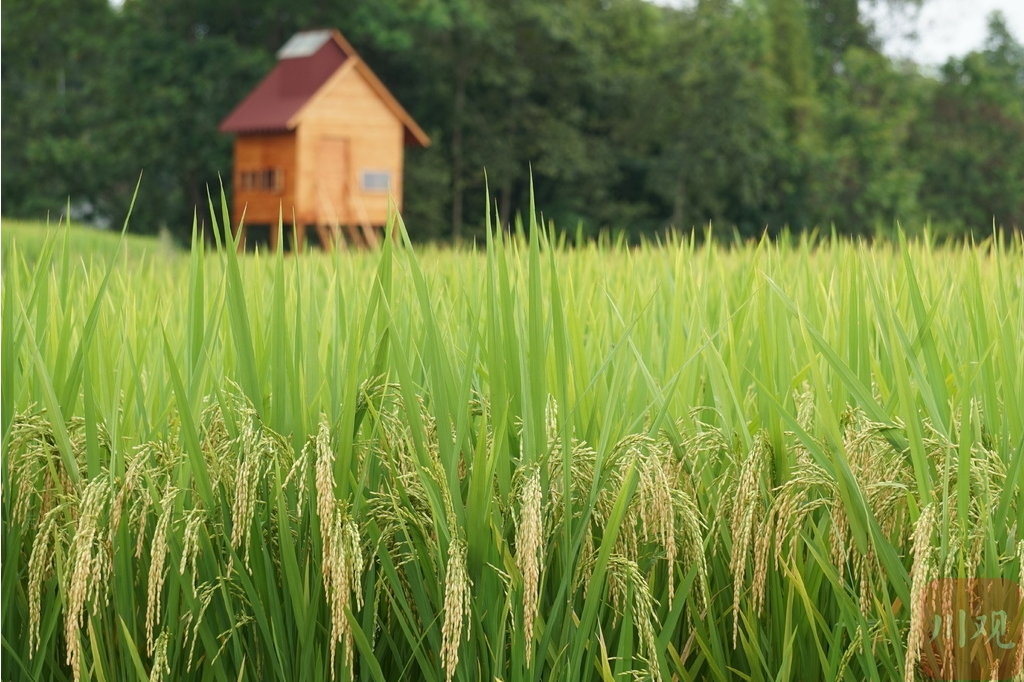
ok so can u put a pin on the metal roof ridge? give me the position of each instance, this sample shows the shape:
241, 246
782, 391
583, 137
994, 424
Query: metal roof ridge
304, 44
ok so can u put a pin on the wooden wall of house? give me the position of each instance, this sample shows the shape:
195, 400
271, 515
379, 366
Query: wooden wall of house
258, 153
345, 130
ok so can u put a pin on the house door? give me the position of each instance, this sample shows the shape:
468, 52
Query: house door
333, 164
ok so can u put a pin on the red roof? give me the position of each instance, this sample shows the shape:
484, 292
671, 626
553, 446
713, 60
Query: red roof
305, 63
282, 93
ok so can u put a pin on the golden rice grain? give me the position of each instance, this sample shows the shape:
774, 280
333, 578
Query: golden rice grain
161, 665
157, 570
194, 521
40, 564
624, 580
457, 606
529, 552
88, 569
747, 510
920, 574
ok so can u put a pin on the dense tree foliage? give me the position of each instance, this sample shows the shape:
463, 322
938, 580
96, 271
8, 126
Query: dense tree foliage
750, 114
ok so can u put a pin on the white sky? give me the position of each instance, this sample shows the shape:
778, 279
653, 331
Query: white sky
943, 28
939, 30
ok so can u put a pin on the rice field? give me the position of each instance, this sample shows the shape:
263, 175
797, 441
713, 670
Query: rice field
524, 462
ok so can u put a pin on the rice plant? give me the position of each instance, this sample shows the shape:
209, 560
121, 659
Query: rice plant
527, 462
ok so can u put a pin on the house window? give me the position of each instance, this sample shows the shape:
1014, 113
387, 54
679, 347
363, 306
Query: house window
375, 180
267, 180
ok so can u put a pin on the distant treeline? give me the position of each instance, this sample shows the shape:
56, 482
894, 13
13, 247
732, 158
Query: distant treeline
750, 114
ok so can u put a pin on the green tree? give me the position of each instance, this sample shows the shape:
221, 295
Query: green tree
970, 146
714, 121
791, 57
169, 81
862, 177
837, 26
53, 59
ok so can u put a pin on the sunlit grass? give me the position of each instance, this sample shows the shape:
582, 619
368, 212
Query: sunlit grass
86, 243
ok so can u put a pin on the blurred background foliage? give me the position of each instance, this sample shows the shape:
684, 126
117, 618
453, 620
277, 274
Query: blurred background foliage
750, 114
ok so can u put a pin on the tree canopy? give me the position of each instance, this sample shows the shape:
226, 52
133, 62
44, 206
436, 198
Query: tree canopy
751, 114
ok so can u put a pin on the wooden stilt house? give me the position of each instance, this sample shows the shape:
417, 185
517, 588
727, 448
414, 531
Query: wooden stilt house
320, 142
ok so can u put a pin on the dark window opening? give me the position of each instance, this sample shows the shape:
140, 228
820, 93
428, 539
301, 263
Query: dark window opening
267, 180
257, 237
313, 238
